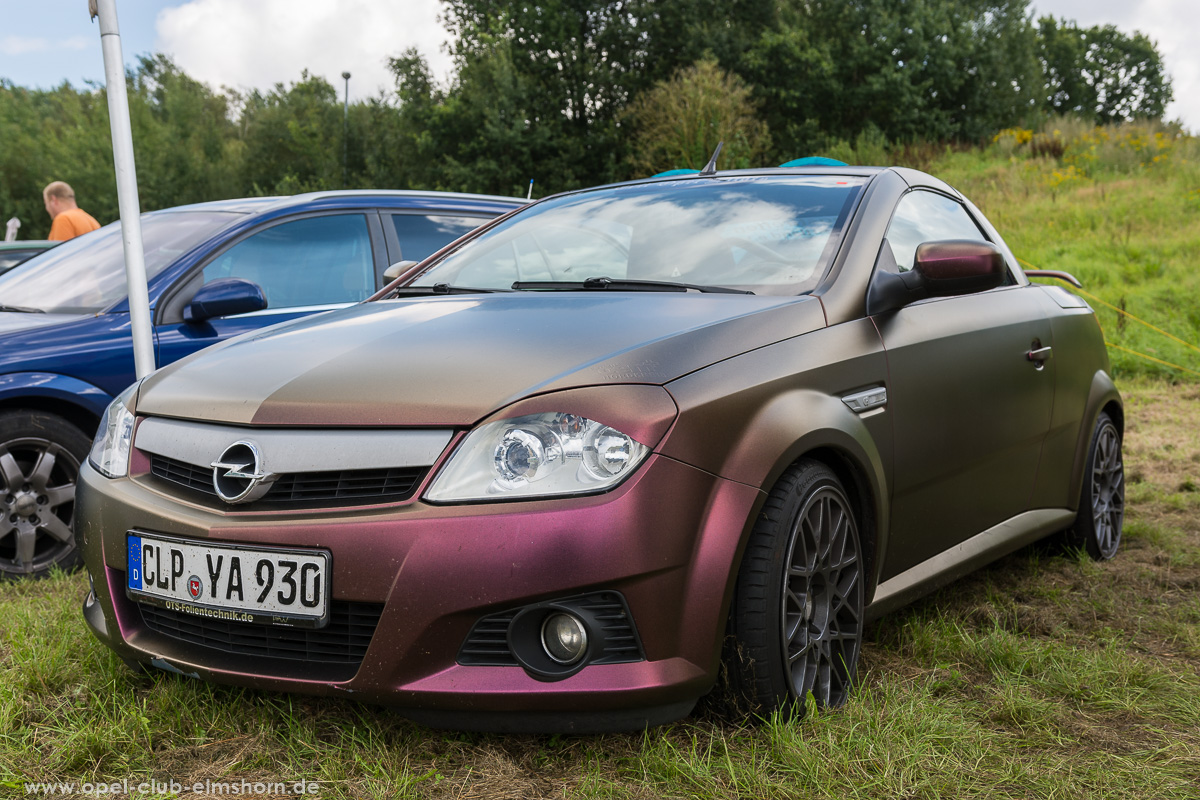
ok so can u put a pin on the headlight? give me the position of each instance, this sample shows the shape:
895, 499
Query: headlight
537, 456
110, 451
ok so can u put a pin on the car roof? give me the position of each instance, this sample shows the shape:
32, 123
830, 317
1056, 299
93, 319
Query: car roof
387, 197
912, 177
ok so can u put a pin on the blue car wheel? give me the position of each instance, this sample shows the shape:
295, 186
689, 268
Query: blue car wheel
40, 455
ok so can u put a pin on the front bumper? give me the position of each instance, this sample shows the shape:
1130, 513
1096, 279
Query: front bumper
667, 540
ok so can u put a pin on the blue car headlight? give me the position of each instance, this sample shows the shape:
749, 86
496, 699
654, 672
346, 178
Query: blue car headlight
110, 450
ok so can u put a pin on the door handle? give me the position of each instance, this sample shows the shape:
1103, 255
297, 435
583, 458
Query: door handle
1038, 356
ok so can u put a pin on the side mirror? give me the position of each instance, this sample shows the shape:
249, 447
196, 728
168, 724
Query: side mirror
399, 268
223, 297
940, 269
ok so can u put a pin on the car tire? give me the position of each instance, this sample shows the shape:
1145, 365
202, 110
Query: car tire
796, 619
1097, 526
40, 454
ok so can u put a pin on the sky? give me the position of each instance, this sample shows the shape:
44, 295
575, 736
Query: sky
247, 44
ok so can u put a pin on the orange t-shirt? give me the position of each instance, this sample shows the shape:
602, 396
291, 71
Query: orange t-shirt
71, 223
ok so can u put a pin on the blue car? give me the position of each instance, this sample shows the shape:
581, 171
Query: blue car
215, 270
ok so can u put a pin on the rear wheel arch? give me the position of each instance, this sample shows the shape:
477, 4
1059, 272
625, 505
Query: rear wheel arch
1116, 412
1103, 398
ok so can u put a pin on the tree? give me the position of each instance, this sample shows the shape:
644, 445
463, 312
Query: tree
576, 64
292, 137
925, 69
680, 121
1100, 72
59, 134
187, 148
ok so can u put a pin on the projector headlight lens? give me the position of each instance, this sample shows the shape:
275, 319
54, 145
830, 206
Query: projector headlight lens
539, 455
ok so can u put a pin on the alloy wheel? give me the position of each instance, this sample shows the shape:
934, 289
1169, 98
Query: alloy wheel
822, 600
37, 496
1108, 490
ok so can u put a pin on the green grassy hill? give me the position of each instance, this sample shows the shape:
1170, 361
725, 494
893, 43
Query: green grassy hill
1119, 208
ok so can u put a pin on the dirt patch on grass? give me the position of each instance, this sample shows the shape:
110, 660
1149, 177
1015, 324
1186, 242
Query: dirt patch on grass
1162, 440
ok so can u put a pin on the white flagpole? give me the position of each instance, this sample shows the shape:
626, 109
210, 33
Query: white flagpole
127, 191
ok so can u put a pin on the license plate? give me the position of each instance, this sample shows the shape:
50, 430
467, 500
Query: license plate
230, 582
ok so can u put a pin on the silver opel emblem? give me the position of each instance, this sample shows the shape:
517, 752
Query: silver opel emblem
239, 476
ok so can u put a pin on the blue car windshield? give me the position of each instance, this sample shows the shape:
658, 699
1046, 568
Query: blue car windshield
769, 235
87, 274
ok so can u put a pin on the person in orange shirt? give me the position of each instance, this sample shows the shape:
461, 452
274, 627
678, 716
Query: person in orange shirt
68, 219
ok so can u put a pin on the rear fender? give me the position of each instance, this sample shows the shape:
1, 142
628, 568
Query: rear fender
1102, 394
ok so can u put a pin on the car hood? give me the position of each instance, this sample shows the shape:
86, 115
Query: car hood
455, 360
11, 321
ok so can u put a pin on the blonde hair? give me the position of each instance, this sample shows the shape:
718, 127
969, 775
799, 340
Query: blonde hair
59, 189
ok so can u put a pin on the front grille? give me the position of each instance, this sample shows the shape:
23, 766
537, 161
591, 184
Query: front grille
343, 641
300, 489
487, 643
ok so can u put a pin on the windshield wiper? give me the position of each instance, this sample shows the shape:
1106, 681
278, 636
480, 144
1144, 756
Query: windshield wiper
441, 288
623, 286
23, 309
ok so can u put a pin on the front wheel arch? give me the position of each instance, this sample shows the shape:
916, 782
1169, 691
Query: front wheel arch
83, 419
860, 491
797, 613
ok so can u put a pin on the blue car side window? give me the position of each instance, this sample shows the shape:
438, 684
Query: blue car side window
307, 262
422, 235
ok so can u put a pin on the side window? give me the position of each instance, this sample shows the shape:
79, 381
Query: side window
423, 235
308, 262
927, 217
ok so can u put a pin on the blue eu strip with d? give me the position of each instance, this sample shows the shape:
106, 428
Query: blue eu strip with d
135, 562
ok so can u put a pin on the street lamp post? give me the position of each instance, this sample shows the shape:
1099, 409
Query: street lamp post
345, 124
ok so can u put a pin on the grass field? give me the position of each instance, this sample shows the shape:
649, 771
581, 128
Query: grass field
1119, 209
1042, 676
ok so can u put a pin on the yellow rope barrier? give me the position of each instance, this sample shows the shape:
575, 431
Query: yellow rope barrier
1152, 358
1122, 311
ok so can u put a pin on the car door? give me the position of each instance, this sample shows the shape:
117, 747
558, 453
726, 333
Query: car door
304, 266
970, 409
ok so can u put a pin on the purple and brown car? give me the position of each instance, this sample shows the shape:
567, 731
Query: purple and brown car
589, 452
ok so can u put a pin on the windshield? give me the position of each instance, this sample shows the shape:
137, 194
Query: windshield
768, 235
86, 274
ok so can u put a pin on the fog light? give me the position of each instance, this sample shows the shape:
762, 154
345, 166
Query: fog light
564, 638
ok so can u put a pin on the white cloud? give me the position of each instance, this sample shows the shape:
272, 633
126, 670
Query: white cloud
258, 44
1167, 23
20, 45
